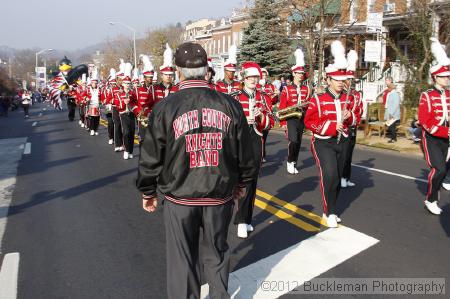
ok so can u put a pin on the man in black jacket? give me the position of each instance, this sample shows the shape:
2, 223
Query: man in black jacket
196, 158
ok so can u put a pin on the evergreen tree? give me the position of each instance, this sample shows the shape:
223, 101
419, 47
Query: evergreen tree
265, 40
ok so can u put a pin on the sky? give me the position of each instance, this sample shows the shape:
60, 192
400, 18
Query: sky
72, 25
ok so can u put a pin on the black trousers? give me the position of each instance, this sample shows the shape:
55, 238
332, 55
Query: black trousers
349, 148
26, 108
183, 224
118, 136
82, 113
295, 127
392, 130
264, 140
110, 125
435, 150
128, 127
246, 204
94, 121
329, 156
71, 105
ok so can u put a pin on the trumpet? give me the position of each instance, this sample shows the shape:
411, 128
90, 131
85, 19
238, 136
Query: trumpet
293, 111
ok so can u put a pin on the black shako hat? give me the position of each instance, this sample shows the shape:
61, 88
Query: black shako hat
190, 55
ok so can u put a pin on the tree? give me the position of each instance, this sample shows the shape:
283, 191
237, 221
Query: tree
420, 28
265, 40
156, 39
315, 21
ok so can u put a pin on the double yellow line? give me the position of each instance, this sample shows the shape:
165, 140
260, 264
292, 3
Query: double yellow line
313, 223
287, 212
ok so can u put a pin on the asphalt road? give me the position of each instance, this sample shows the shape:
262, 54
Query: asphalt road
77, 222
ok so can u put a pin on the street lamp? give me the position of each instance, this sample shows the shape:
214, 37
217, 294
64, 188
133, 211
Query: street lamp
134, 37
37, 53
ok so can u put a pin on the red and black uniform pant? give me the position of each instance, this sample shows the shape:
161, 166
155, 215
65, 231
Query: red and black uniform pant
128, 121
246, 204
94, 122
329, 156
295, 127
349, 148
118, 136
435, 150
109, 118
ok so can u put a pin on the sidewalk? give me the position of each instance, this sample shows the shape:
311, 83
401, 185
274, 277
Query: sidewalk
403, 144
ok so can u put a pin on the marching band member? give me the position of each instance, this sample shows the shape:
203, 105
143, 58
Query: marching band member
93, 103
253, 104
81, 89
328, 120
71, 101
125, 102
166, 87
356, 107
296, 94
145, 94
118, 135
271, 97
107, 101
228, 84
434, 107
210, 73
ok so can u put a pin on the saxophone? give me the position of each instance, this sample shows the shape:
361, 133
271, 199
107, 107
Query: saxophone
142, 120
293, 111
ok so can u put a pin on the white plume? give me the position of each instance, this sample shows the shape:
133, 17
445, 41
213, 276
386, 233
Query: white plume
338, 52
148, 66
94, 75
438, 51
127, 69
112, 74
232, 54
121, 66
135, 73
299, 57
352, 59
83, 78
168, 56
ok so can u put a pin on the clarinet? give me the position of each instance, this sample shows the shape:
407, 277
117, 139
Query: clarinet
347, 98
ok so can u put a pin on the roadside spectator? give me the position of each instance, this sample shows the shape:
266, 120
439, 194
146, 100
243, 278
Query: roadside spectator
388, 81
392, 112
415, 130
26, 101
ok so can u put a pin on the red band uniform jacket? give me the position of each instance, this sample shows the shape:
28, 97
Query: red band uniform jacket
434, 107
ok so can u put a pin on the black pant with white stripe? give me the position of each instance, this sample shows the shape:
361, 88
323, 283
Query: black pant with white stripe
295, 127
329, 156
118, 137
183, 224
246, 204
349, 153
128, 128
110, 125
435, 150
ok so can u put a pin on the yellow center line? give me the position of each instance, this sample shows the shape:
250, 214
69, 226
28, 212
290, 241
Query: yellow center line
285, 216
291, 207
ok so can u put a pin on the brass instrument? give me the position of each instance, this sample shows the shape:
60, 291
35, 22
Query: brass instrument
293, 111
142, 120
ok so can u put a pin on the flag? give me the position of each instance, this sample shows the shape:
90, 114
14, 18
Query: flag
55, 90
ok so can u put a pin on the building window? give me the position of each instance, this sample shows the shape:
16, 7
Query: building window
354, 8
371, 5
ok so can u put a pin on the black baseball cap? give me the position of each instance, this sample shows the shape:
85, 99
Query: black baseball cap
190, 55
